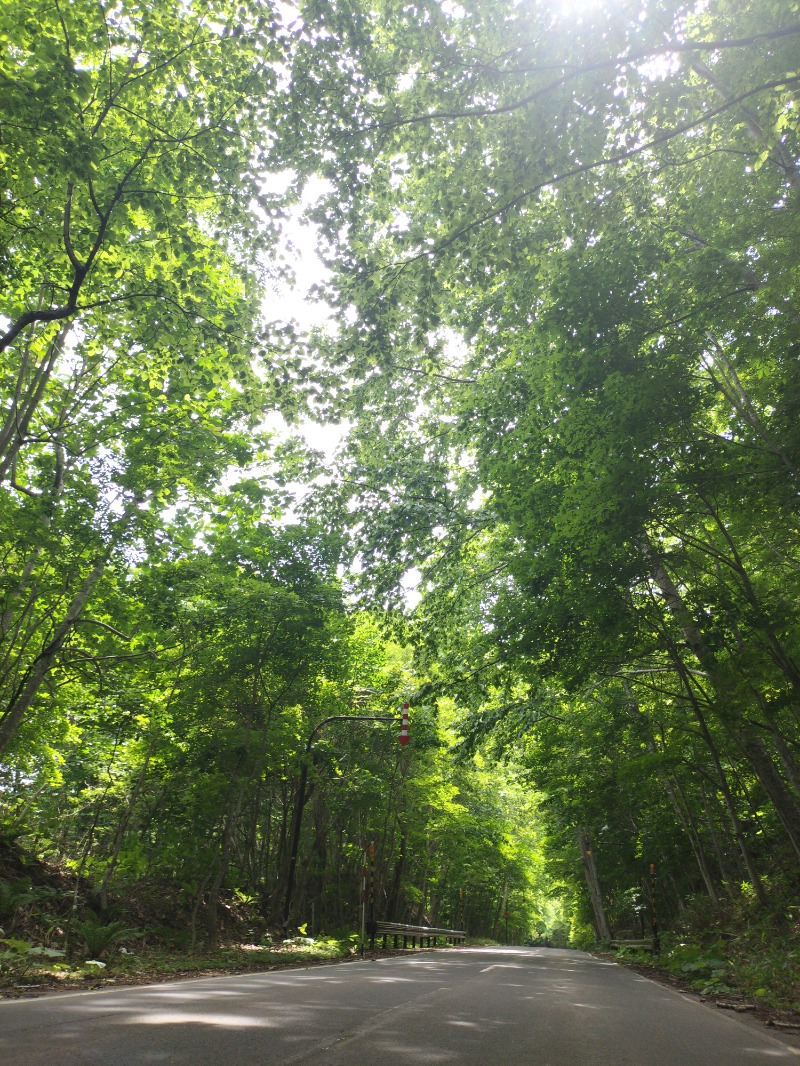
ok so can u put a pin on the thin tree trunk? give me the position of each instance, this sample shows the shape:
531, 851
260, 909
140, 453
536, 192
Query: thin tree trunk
122, 826
26, 401
393, 902
29, 686
730, 805
719, 851
31, 683
212, 907
675, 793
682, 809
736, 726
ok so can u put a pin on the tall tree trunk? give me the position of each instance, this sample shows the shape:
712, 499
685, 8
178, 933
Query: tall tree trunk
122, 826
761, 623
30, 387
420, 916
683, 811
212, 906
730, 805
593, 885
29, 686
773, 784
393, 901
719, 851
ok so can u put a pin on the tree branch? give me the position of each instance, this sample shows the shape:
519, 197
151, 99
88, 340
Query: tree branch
584, 168
576, 72
55, 314
103, 625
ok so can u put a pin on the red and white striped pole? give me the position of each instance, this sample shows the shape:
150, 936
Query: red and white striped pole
403, 738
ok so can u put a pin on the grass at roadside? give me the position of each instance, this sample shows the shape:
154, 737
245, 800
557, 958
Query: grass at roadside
35, 973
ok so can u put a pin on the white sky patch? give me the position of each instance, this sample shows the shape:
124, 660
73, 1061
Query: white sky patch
322, 438
453, 10
660, 67
406, 80
573, 8
290, 16
410, 586
299, 246
455, 348
477, 500
325, 438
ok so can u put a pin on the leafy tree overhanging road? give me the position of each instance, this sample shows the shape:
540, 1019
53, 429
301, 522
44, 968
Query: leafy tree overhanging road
563, 270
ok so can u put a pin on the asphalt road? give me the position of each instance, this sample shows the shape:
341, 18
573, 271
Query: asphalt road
487, 1006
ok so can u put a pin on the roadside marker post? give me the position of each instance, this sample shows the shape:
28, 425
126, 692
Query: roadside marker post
654, 912
403, 738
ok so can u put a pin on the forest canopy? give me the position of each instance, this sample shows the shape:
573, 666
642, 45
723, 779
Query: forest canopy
560, 246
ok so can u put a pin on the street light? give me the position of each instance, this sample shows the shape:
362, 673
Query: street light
302, 797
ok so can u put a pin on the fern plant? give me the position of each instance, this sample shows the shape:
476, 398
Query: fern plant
99, 937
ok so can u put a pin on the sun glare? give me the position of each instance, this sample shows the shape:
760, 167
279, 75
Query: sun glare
576, 9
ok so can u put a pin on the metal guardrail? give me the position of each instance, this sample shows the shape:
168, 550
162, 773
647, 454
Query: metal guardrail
620, 944
426, 934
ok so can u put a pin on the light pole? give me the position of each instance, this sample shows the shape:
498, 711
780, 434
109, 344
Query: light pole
302, 797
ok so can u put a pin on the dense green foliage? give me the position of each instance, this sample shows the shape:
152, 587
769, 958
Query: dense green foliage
562, 251
570, 268
171, 631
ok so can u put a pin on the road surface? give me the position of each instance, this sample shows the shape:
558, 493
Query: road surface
487, 1006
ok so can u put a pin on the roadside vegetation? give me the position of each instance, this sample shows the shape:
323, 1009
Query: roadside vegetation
744, 956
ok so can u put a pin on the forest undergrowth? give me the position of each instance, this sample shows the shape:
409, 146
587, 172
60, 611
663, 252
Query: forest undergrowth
52, 937
742, 955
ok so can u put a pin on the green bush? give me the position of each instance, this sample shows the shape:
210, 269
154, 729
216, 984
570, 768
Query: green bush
18, 957
705, 966
99, 937
16, 897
